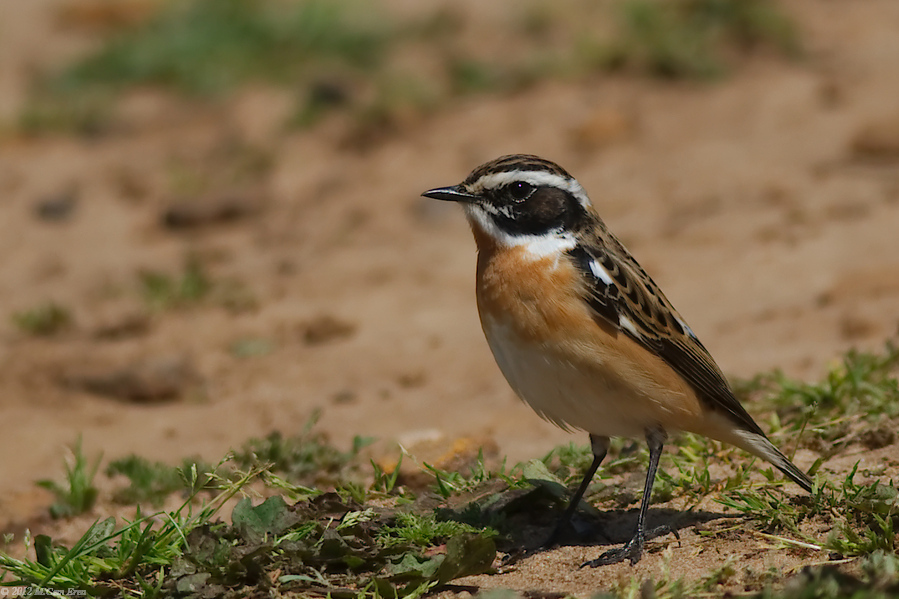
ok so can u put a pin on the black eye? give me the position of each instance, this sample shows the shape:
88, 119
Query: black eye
520, 190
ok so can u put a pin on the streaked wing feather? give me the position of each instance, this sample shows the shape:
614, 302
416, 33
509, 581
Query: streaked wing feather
618, 288
602, 297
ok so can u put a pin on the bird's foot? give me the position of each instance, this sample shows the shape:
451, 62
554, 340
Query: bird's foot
632, 550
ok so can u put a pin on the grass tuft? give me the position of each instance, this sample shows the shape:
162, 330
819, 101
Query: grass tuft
211, 46
163, 292
43, 321
77, 494
693, 38
425, 530
206, 48
152, 483
306, 459
130, 560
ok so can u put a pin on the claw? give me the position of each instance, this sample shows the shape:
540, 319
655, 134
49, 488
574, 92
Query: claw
632, 550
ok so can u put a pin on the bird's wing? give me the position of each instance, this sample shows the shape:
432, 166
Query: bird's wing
620, 292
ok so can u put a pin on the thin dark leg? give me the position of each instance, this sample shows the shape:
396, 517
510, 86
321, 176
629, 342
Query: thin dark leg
633, 549
599, 445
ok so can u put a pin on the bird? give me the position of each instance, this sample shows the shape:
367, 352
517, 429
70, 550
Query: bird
584, 335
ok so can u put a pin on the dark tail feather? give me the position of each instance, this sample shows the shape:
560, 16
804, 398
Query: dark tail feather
793, 473
759, 445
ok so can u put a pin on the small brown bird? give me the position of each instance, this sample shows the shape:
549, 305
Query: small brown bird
583, 334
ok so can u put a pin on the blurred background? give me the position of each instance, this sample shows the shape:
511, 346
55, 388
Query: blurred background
211, 229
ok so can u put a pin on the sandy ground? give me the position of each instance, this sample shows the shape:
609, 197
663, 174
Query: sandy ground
766, 206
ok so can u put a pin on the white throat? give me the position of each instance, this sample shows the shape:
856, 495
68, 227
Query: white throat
552, 243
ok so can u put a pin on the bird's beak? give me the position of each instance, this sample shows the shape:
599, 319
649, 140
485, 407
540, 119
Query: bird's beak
454, 193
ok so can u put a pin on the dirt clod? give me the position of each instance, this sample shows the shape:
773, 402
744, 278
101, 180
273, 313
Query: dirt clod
149, 380
57, 207
878, 138
216, 209
326, 328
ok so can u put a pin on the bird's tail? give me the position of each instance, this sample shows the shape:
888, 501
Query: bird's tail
760, 446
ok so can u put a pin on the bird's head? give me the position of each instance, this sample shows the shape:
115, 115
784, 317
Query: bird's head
522, 200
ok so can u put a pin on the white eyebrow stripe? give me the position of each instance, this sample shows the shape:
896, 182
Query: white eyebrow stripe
536, 178
600, 273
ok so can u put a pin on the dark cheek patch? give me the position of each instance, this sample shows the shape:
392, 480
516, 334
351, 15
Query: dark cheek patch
546, 205
545, 210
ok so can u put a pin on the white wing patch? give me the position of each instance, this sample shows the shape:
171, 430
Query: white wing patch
625, 323
600, 273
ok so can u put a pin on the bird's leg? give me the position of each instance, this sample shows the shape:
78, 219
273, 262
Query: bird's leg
599, 446
633, 549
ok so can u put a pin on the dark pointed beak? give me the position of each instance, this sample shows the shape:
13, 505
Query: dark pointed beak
454, 193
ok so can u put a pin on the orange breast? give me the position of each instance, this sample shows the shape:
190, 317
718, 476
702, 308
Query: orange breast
536, 297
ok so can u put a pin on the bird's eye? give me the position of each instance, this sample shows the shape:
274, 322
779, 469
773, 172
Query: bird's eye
520, 190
